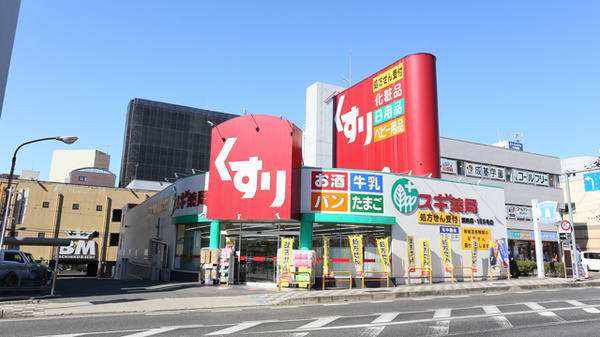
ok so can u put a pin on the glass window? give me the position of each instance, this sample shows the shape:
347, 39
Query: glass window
46, 204
75, 206
99, 208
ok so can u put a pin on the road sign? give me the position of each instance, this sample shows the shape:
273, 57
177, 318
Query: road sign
565, 227
566, 237
591, 181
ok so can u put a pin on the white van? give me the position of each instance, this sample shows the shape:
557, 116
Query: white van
591, 260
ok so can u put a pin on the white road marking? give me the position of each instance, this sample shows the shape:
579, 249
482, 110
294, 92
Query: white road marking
503, 322
152, 332
575, 303
440, 328
534, 306
235, 328
442, 313
491, 309
319, 322
372, 332
592, 310
385, 318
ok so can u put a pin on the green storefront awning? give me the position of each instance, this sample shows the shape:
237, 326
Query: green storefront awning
348, 218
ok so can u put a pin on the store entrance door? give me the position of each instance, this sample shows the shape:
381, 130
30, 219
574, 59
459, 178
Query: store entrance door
258, 258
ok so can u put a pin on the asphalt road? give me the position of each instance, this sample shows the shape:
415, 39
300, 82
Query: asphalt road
572, 311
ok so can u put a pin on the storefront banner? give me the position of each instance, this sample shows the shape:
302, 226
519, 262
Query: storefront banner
503, 252
357, 253
230, 242
327, 272
382, 245
493, 254
474, 255
286, 258
449, 166
411, 254
446, 253
425, 258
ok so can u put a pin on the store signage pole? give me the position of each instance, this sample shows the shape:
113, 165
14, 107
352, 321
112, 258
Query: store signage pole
539, 255
573, 243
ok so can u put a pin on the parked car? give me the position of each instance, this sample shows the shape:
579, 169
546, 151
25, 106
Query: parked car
22, 265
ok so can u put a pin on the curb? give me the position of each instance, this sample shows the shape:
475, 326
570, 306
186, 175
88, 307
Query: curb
390, 295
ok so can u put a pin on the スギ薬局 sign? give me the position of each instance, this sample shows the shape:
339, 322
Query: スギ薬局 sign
389, 122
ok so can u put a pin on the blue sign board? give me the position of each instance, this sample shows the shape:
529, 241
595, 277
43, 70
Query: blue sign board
591, 181
515, 146
364, 182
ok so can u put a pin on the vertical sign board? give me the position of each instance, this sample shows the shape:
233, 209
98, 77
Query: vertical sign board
389, 122
252, 174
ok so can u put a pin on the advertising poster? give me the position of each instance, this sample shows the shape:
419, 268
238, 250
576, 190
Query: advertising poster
425, 258
357, 253
503, 252
411, 254
493, 254
327, 272
447, 253
382, 245
474, 255
286, 258
230, 242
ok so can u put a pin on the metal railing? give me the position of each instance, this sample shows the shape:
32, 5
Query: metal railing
464, 274
507, 272
349, 279
422, 270
376, 279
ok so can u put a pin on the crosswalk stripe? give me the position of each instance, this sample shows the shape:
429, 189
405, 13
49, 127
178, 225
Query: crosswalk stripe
592, 310
534, 306
372, 331
503, 322
385, 318
575, 303
491, 309
319, 322
152, 332
442, 313
235, 328
440, 328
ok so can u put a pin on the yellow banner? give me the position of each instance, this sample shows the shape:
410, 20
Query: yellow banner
481, 235
393, 75
425, 258
327, 272
382, 245
474, 250
439, 218
446, 253
286, 258
357, 253
411, 254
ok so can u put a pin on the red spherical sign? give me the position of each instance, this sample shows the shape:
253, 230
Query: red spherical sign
565, 226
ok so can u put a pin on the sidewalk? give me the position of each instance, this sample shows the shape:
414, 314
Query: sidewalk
153, 298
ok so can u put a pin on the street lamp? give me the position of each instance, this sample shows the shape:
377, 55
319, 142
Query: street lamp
64, 139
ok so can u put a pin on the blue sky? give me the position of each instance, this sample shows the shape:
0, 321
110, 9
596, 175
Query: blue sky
503, 67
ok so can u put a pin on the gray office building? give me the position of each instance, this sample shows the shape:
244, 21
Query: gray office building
163, 141
9, 14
